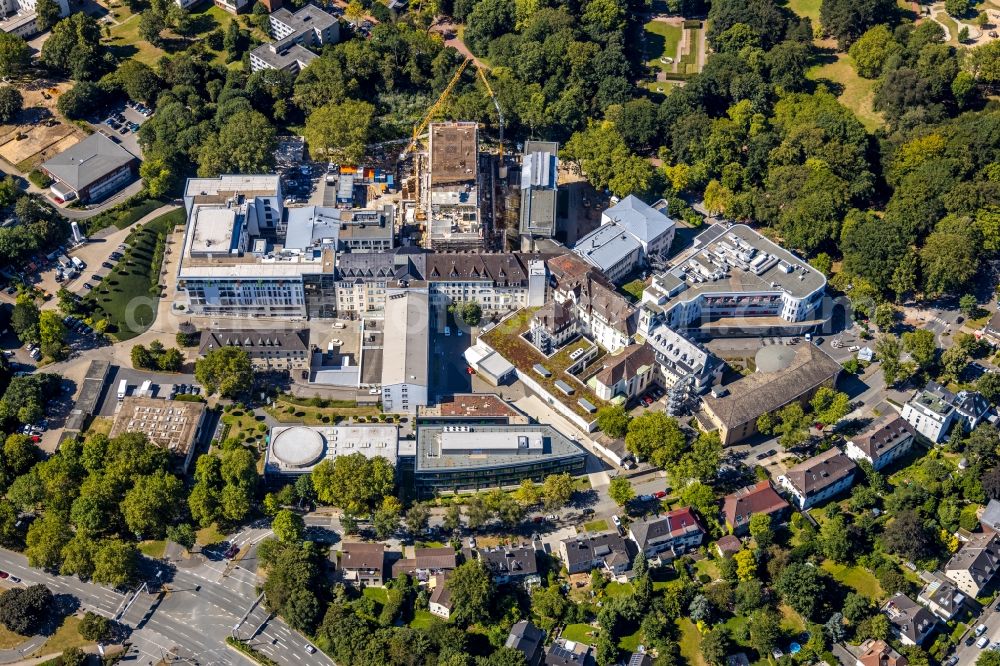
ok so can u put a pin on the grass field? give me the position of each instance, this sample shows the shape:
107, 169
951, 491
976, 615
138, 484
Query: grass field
316, 415
65, 637
614, 589
423, 620
690, 642
634, 288
854, 92
662, 40
243, 427
153, 549
379, 594
127, 297
791, 621
596, 526
808, 8
206, 536
631, 642
581, 633
856, 578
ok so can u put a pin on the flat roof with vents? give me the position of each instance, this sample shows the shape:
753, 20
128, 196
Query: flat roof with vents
471, 445
298, 449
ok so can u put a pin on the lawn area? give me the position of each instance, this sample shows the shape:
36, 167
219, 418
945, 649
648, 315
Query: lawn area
596, 526
153, 549
423, 620
615, 589
123, 215
855, 93
662, 40
631, 642
243, 427
379, 594
581, 633
66, 636
690, 642
791, 621
287, 412
857, 578
206, 536
808, 8
205, 18
707, 567
635, 287
127, 297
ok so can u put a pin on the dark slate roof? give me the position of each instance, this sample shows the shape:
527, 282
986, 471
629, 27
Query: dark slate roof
980, 556
88, 161
608, 545
527, 639
674, 524
883, 435
253, 340
513, 562
909, 618
506, 269
357, 555
827, 468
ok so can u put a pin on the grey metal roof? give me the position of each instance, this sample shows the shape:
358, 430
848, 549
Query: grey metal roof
284, 54
607, 245
88, 161
639, 218
527, 639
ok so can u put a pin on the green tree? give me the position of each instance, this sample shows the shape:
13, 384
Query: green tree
340, 131
621, 490
244, 144
761, 530
802, 587
116, 562
452, 518
829, 406
288, 526
765, 630
872, 50
11, 103
141, 358
887, 351
656, 437
471, 589
152, 504
25, 318
527, 493
386, 519
24, 609
94, 627
226, 370
417, 518
921, 346
957, 8
847, 20
835, 540
355, 483
557, 490
715, 646
613, 420
949, 261
182, 534
45, 541
151, 24
15, 55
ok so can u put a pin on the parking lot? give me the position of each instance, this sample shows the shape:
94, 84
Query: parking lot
121, 122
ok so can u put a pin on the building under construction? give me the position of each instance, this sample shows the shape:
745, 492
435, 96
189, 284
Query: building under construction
451, 188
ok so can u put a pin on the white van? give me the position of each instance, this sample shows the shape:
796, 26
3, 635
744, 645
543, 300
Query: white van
447, 330
122, 389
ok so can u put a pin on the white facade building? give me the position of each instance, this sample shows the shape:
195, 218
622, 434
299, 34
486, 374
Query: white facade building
405, 351
21, 19
930, 415
293, 35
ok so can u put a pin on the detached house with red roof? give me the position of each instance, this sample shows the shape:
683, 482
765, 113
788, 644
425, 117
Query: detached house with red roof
740, 506
668, 536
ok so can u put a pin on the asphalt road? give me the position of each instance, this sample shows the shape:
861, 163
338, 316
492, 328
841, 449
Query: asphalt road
191, 620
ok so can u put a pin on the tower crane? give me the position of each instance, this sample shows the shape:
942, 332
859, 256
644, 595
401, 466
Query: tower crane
422, 126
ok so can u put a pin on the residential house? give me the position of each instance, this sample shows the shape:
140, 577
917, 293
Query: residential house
973, 567
728, 545
819, 478
362, 563
942, 598
992, 329
552, 326
527, 639
885, 439
990, 518
606, 551
440, 603
875, 652
569, 653
518, 565
908, 620
930, 413
668, 536
426, 563
740, 506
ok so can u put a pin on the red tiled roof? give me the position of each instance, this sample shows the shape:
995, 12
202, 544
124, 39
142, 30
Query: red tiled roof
760, 498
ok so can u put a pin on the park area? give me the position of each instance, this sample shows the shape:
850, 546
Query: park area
127, 298
673, 49
125, 40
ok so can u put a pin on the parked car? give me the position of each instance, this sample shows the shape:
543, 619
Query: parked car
4, 575
231, 552
616, 520
982, 642
660, 494
87, 285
